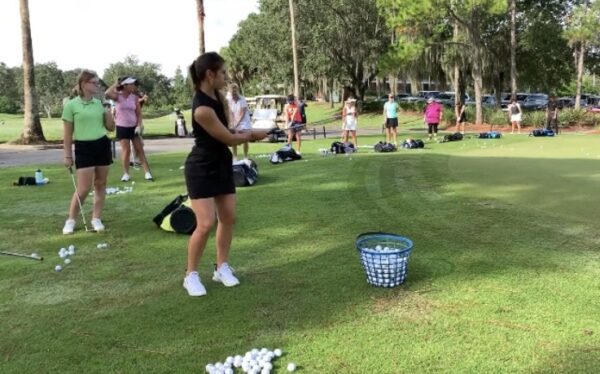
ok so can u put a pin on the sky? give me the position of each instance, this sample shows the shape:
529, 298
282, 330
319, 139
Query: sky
94, 34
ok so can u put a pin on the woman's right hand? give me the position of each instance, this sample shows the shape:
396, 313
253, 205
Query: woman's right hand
68, 162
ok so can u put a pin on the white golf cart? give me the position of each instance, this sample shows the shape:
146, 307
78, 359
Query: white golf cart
267, 114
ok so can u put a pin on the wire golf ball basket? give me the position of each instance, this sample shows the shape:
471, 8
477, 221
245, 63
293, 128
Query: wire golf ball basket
384, 257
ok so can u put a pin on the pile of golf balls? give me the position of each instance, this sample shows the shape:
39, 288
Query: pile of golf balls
116, 190
65, 254
324, 152
253, 362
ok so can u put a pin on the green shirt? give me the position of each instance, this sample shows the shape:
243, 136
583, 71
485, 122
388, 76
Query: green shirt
391, 109
87, 118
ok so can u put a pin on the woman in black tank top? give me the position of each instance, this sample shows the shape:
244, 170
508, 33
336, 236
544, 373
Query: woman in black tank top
209, 172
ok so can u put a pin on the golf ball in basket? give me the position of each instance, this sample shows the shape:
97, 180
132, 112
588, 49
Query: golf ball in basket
57, 268
67, 261
291, 367
378, 247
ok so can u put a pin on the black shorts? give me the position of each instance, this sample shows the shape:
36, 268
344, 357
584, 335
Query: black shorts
391, 123
89, 153
208, 177
296, 127
126, 132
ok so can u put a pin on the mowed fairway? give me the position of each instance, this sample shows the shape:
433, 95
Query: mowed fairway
504, 277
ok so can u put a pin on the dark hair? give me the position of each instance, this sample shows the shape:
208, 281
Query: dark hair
205, 62
290, 98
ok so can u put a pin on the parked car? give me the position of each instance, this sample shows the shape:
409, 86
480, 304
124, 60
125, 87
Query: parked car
486, 100
448, 98
428, 94
565, 102
412, 99
507, 96
535, 101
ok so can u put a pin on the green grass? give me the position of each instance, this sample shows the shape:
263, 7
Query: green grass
12, 125
504, 276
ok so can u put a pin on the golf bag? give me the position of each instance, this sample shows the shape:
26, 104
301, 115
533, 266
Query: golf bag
177, 217
286, 153
180, 128
490, 135
542, 132
384, 147
339, 147
453, 137
25, 181
413, 143
245, 173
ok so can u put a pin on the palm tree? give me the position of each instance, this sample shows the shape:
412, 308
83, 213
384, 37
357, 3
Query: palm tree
294, 51
32, 128
201, 15
513, 47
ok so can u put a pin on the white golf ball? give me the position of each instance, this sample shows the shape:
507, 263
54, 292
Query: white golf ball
210, 368
268, 366
71, 248
291, 367
264, 351
378, 247
278, 352
67, 261
229, 371
57, 268
63, 254
218, 366
71, 252
265, 371
35, 255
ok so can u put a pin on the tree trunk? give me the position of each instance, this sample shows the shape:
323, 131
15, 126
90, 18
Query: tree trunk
201, 15
513, 47
477, 68
456, 82
579, 74
32, 127
294, 51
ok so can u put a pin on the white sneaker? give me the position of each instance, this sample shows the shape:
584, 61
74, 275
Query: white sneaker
125, 178
193, 285
225, 275
148, 176
97, 224
69, 227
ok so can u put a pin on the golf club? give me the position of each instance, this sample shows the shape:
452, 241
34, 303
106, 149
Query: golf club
79, 200
32, 256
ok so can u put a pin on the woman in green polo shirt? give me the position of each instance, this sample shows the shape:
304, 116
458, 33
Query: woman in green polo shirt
85, 125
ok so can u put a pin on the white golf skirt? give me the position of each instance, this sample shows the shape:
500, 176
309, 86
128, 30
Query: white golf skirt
516, 117
350, 124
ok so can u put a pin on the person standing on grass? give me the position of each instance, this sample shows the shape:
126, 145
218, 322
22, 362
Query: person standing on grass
293, 119
239, 116
433, 117
143, 100
86, 123
390, 111
461, 117
349, 121
552, 114
208, 171
128, 119
516, 115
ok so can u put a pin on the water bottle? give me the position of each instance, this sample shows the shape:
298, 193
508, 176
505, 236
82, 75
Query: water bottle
39, 177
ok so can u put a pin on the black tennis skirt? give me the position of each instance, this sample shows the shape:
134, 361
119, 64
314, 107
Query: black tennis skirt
207, 177
89, 153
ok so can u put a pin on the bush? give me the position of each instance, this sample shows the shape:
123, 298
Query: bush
495, 117
418, 107
535, 119
449, 116
572, 116
372, 106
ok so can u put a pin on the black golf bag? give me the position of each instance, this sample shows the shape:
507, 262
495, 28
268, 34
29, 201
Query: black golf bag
339, 147
245, 173
542, 132
286, 153
177, 217
453, 137
384, 147
490, 135
413, 144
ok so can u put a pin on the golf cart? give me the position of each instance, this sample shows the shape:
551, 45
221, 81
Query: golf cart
267, 111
